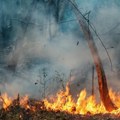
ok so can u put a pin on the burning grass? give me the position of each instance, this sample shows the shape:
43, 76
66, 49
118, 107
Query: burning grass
60, 107
84, 105
16, 112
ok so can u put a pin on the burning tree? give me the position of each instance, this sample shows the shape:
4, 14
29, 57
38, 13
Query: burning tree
102, 81
103, 88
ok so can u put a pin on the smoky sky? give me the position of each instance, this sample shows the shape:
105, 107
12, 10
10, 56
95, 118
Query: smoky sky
37, 34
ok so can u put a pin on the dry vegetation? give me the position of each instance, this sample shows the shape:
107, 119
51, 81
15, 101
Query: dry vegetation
16, 112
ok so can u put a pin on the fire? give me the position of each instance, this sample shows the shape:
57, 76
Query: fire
24, 102
84, 105
6, 100
64, 102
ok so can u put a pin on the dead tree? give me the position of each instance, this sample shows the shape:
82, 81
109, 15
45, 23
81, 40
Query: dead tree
103, 88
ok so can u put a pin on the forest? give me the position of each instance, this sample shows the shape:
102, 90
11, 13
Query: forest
59, 59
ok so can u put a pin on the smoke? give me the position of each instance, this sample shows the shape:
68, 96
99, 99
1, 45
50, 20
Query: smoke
47, 44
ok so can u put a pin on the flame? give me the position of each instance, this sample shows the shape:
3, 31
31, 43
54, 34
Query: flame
64, 102
84, 105
24, 102
6, 100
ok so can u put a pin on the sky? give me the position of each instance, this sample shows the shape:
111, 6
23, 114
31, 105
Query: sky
33, 37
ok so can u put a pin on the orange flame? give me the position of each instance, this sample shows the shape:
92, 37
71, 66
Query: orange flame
24, 102
6, 100
63, 101
83, 105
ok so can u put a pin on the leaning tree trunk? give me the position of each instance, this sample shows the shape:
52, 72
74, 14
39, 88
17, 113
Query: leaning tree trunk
103, 88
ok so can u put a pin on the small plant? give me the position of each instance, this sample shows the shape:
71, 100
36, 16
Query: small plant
60, 79
42, 82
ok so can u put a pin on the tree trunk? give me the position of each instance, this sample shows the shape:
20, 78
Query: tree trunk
103, 88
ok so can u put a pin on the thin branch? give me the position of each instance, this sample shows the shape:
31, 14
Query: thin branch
103, 45
94, 32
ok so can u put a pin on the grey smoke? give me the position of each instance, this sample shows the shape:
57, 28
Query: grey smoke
54, 46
